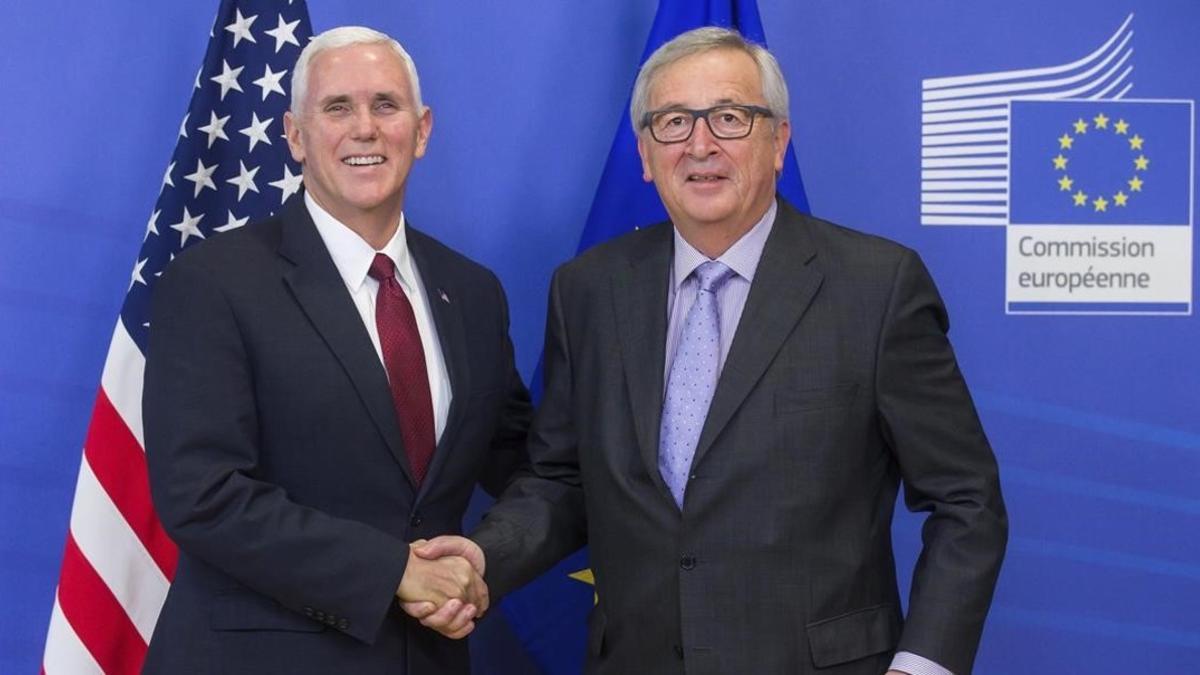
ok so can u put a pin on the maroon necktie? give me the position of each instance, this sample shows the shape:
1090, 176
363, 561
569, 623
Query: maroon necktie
404, 359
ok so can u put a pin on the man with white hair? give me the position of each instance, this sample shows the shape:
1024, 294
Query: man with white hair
732, 400
322, 389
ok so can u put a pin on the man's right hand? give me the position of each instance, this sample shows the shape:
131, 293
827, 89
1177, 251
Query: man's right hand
446, 594
443, 585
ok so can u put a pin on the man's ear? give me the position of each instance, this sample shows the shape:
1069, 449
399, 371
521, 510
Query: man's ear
783, 134
424, 128
291, 129
643, 152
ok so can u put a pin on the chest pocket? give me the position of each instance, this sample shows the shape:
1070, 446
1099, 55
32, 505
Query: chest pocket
802, 400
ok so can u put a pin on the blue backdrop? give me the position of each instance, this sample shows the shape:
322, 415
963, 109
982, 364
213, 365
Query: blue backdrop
1093, 417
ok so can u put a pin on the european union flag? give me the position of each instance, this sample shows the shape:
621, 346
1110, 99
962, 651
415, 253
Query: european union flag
1122, 162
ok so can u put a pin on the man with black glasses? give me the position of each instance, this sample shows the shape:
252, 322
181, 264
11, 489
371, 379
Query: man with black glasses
732, 400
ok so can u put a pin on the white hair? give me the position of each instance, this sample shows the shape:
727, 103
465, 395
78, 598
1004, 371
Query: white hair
345, 36
702, 40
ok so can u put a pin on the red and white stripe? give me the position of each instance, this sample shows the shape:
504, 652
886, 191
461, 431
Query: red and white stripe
118, 561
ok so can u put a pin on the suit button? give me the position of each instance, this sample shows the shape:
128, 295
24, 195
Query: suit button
416, 520
330, 620
343, 624
687, 562
308, 611
678, 651
319, 615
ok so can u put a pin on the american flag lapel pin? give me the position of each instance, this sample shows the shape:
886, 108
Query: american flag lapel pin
445, 298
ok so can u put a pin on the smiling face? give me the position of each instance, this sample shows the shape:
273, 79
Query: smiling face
704, 182
357, 134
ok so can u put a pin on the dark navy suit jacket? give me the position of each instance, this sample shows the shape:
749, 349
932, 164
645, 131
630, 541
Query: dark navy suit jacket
276, 461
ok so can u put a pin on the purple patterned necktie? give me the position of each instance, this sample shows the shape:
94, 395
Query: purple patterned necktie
692, 379
404, 360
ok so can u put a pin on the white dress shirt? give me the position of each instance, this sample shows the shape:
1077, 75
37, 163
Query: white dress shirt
353, 256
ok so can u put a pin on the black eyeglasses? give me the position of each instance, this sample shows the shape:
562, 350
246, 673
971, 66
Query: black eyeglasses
726, 122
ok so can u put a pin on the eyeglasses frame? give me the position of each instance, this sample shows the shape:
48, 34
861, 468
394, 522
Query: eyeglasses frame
754, 110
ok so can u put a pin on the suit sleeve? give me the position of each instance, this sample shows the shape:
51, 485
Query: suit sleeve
540, 518
201, 444
948, 470
508, 456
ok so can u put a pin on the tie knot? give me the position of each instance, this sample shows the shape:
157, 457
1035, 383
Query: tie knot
382, 268
712, 275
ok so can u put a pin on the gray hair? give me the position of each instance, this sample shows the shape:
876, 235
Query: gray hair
702, 40
345, 36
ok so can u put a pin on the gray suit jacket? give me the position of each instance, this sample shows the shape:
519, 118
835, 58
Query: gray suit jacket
839, 383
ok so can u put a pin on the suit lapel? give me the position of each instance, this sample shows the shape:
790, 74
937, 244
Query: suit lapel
321, 294
784, 285
441, 296
640, 301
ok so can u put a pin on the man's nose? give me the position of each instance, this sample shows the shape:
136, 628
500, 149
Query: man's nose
702, 143
363, 124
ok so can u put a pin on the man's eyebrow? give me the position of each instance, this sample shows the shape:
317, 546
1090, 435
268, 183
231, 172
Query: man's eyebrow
670, 105
334, 98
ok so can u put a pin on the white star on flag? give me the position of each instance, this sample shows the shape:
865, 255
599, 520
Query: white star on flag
183, 125
188, 226
284, 33
289, 184
257, 131
244, 180
152, 226
136, 277
232, 223
241, 28
269, 82
228, 79
167, 180
202, 177
215, 128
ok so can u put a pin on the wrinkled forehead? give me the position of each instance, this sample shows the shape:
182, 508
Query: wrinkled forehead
707, 78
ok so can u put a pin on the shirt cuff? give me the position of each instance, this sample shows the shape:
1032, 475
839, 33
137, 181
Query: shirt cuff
907, 662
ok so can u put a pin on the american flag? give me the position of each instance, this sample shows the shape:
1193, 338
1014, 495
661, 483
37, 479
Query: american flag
231, 166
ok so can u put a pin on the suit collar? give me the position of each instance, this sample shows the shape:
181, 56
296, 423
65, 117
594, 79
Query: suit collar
784, 286
640, 298
785, 282
321, 293
445, 298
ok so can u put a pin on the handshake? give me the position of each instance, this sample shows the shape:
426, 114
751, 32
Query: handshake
443, 585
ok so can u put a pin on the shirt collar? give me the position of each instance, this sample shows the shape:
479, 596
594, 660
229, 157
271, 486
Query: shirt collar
352, 255
742, 257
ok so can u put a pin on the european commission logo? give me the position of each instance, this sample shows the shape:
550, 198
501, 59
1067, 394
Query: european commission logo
1093, 188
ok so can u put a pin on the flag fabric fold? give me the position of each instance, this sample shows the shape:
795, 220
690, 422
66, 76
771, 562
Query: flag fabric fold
230, 166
